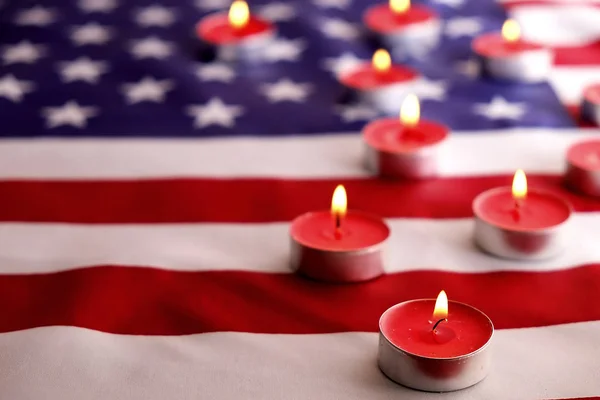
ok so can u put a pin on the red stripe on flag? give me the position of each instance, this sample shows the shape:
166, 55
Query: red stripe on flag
247, 200
145, 301
582, 55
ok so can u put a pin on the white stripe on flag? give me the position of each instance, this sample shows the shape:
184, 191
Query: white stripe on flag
570, 82
416, 244
477, 153
56, 363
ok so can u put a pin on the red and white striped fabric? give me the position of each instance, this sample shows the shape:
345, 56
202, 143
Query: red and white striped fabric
158, 269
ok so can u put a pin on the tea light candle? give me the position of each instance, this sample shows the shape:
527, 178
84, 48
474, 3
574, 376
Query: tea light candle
339, 245
519, 223
590, 106
406, 148
236, 34
413, 29
583, 167
506, 56
434, 346
380, 83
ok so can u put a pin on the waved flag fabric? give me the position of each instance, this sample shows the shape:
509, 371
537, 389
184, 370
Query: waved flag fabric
147, 189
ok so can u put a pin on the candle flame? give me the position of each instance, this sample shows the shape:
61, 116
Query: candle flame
239, 14
410, 111
381, 60
511, 32
441, 307
399, 6
519, 185
339, 202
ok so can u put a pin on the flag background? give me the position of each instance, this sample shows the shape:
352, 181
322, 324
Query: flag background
145, 198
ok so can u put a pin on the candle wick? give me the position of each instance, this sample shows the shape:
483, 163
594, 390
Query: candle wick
338, 221
437, 323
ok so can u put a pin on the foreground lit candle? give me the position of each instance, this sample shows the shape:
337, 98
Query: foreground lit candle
236, 34
406, 147
339, 245
410, 28
590, 105
434, 346
507, 56
380, 82
583, 167
521, 223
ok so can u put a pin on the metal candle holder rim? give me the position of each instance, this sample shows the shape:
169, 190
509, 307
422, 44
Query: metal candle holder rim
458, 358
365, 250
568, 205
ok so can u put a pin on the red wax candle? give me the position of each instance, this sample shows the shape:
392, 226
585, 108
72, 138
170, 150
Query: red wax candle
404, 148
403, 26
383, 19
507, 56
238, 30
380, 82
520, 223
583, 167
338, 245
590, 106
431, 352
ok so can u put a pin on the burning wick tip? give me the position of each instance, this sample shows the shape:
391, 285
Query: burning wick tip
437, 323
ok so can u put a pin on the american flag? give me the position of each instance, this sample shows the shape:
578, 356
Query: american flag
147, 188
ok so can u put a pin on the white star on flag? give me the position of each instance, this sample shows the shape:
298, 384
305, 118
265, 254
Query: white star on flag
343, 63
214, 112
432, 90
14, 89
22, 52
147, 89
339, 29
286, 90
356, 112
499, 108
82, 69
451, 3
155, 16
90, 33
277, 12
151, 47
216, 72
462, 26
99, 6
284, 50
36, 16
70, 113
341, 4
213, 4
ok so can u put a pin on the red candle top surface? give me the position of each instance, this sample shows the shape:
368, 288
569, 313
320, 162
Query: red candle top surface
357, 230
539, 210
409, 326
391, 135
367, 77
585, 155
216, 29
592, 93
382, 19
494, 45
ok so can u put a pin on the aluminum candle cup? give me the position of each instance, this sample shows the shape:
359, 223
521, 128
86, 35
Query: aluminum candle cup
583, 167
590, 105
535, 230
457, 356
407, 30
338, 245
380, 83
507, 57
236, 35
405, 148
